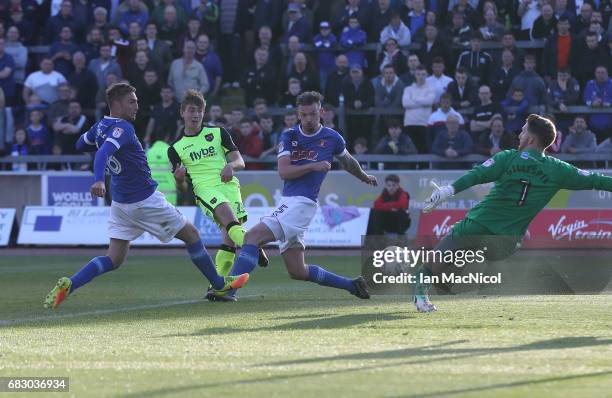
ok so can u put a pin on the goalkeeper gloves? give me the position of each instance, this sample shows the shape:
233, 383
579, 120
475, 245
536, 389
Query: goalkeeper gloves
439, 195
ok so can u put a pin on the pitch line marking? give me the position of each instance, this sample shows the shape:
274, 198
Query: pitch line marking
12, 322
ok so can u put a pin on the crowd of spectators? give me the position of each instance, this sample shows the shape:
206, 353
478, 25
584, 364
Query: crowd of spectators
433, 61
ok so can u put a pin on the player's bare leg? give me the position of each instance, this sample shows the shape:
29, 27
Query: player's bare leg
115, 256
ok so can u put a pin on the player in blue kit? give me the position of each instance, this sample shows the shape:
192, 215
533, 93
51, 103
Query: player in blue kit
137, 206
305, 154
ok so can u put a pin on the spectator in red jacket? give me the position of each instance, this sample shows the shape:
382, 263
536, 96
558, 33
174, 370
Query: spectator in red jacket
390, 212
249, 143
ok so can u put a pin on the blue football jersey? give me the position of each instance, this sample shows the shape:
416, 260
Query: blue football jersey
320, 146
131, 179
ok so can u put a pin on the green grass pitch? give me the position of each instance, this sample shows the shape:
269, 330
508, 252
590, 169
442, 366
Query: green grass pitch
143, 331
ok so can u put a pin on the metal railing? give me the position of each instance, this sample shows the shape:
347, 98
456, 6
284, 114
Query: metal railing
429, 161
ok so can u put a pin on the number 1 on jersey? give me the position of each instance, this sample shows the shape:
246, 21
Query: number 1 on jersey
524, 191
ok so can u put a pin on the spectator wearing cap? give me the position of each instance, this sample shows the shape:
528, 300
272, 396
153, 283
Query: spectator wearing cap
498, 139
358, 90
296, 25
598, 95
333, 84
104, 65
61, 51
352, 38
585, 55
557, 49
326, 44
477, 62
211, 62
417, 101
462, 90
381, 17
389, 89
392, 55
136, 12
433, 47
503, 75
452, 142
260, 80
396, 29
530, 83
44, 82
353, 8
414, 18
7, 71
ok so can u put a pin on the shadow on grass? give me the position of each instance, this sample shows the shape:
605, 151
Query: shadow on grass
443, 353
328, 322
441, 349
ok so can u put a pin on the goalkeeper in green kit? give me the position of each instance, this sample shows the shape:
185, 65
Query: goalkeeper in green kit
525, 181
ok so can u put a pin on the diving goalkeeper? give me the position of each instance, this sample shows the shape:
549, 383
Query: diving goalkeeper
525, 181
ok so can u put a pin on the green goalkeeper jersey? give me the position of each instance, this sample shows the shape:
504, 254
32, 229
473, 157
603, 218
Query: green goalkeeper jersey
525, 181
203, 155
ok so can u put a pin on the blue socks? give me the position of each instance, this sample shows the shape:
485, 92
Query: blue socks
201, 259
97, 266
246, 261
323, 277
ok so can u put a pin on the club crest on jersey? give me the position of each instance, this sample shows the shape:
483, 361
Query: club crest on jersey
293, 143
488, 163
322, 143
117, 131
209, 137
525, 155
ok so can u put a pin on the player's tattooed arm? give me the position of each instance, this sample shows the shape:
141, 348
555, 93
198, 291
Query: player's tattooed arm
352, 166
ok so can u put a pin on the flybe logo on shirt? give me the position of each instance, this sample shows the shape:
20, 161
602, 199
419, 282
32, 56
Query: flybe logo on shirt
302, 154
202, 153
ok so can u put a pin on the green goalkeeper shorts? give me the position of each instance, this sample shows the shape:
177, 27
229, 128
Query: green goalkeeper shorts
469, 234
208, 198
